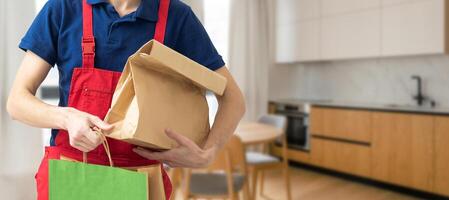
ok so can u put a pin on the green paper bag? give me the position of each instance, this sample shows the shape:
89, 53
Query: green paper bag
76, 180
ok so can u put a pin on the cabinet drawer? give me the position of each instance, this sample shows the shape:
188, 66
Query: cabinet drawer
354, 125
340, 156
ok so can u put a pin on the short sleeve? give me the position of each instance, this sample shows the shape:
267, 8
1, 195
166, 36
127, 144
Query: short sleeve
42, 36
194, 42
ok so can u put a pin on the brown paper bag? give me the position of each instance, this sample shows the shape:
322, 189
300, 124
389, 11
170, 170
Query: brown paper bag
156, 189
158, 89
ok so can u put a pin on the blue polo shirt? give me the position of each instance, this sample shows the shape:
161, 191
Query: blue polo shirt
55, 36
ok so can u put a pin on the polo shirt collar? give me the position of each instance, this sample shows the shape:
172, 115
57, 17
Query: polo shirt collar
148, 9
94, 2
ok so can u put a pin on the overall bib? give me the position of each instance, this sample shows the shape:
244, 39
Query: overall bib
91, 91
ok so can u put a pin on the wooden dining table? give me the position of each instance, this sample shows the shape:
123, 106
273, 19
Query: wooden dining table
252, 133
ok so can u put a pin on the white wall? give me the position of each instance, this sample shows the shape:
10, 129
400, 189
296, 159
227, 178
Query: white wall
20, 149
197, 7
2, 71
378, 81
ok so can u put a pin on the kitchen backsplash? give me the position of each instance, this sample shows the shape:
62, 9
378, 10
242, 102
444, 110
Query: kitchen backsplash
374, 81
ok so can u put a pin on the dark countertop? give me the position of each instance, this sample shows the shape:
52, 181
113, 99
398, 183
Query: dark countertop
366, 106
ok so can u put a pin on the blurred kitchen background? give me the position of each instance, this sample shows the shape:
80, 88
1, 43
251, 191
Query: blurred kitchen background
359, 89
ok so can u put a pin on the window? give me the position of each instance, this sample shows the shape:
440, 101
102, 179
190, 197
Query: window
40, 4
50, 80
216, 22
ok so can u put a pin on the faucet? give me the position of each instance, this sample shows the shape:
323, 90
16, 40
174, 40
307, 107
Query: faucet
420, 98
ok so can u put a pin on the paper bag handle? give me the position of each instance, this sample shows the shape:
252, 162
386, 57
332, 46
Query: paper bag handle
105, 145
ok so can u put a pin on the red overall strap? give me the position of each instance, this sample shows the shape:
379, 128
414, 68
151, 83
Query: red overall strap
88, 40
161, 24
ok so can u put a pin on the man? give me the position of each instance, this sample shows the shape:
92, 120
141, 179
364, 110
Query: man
90, 41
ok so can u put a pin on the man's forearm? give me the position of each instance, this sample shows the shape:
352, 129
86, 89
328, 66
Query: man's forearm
27, 108
230, 111
23, 105
231, 107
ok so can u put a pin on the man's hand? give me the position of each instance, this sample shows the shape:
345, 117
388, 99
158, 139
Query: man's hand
186, 154
80, 127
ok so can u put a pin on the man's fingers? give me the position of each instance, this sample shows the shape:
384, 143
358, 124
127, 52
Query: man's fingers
171, 164
100, 123
89, 143
82, 147
147, 154
151, 155
93, 137
180, 139
142, 152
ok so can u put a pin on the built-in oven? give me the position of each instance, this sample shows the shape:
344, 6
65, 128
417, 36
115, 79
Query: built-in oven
297, 129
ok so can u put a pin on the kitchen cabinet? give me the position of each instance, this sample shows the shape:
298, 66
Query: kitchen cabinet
441, 185
345, 124
354, 35
386, 3
298, 41
396, 147
402, 149
414, 27
297, 30
291, 11
317, 120
344, 157
391, 146
337, 7
317, 30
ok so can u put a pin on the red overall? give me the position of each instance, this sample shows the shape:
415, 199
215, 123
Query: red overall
91, 91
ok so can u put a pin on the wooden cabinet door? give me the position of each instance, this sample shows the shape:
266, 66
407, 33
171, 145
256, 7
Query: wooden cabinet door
402, 149
340, 156
352, 35
441, 185
353, 125
317, 121
414, 27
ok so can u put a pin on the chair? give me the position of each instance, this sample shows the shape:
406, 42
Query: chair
224, 178
258, 162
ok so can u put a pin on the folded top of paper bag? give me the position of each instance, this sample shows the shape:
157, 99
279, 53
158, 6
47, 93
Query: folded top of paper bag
177, 64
